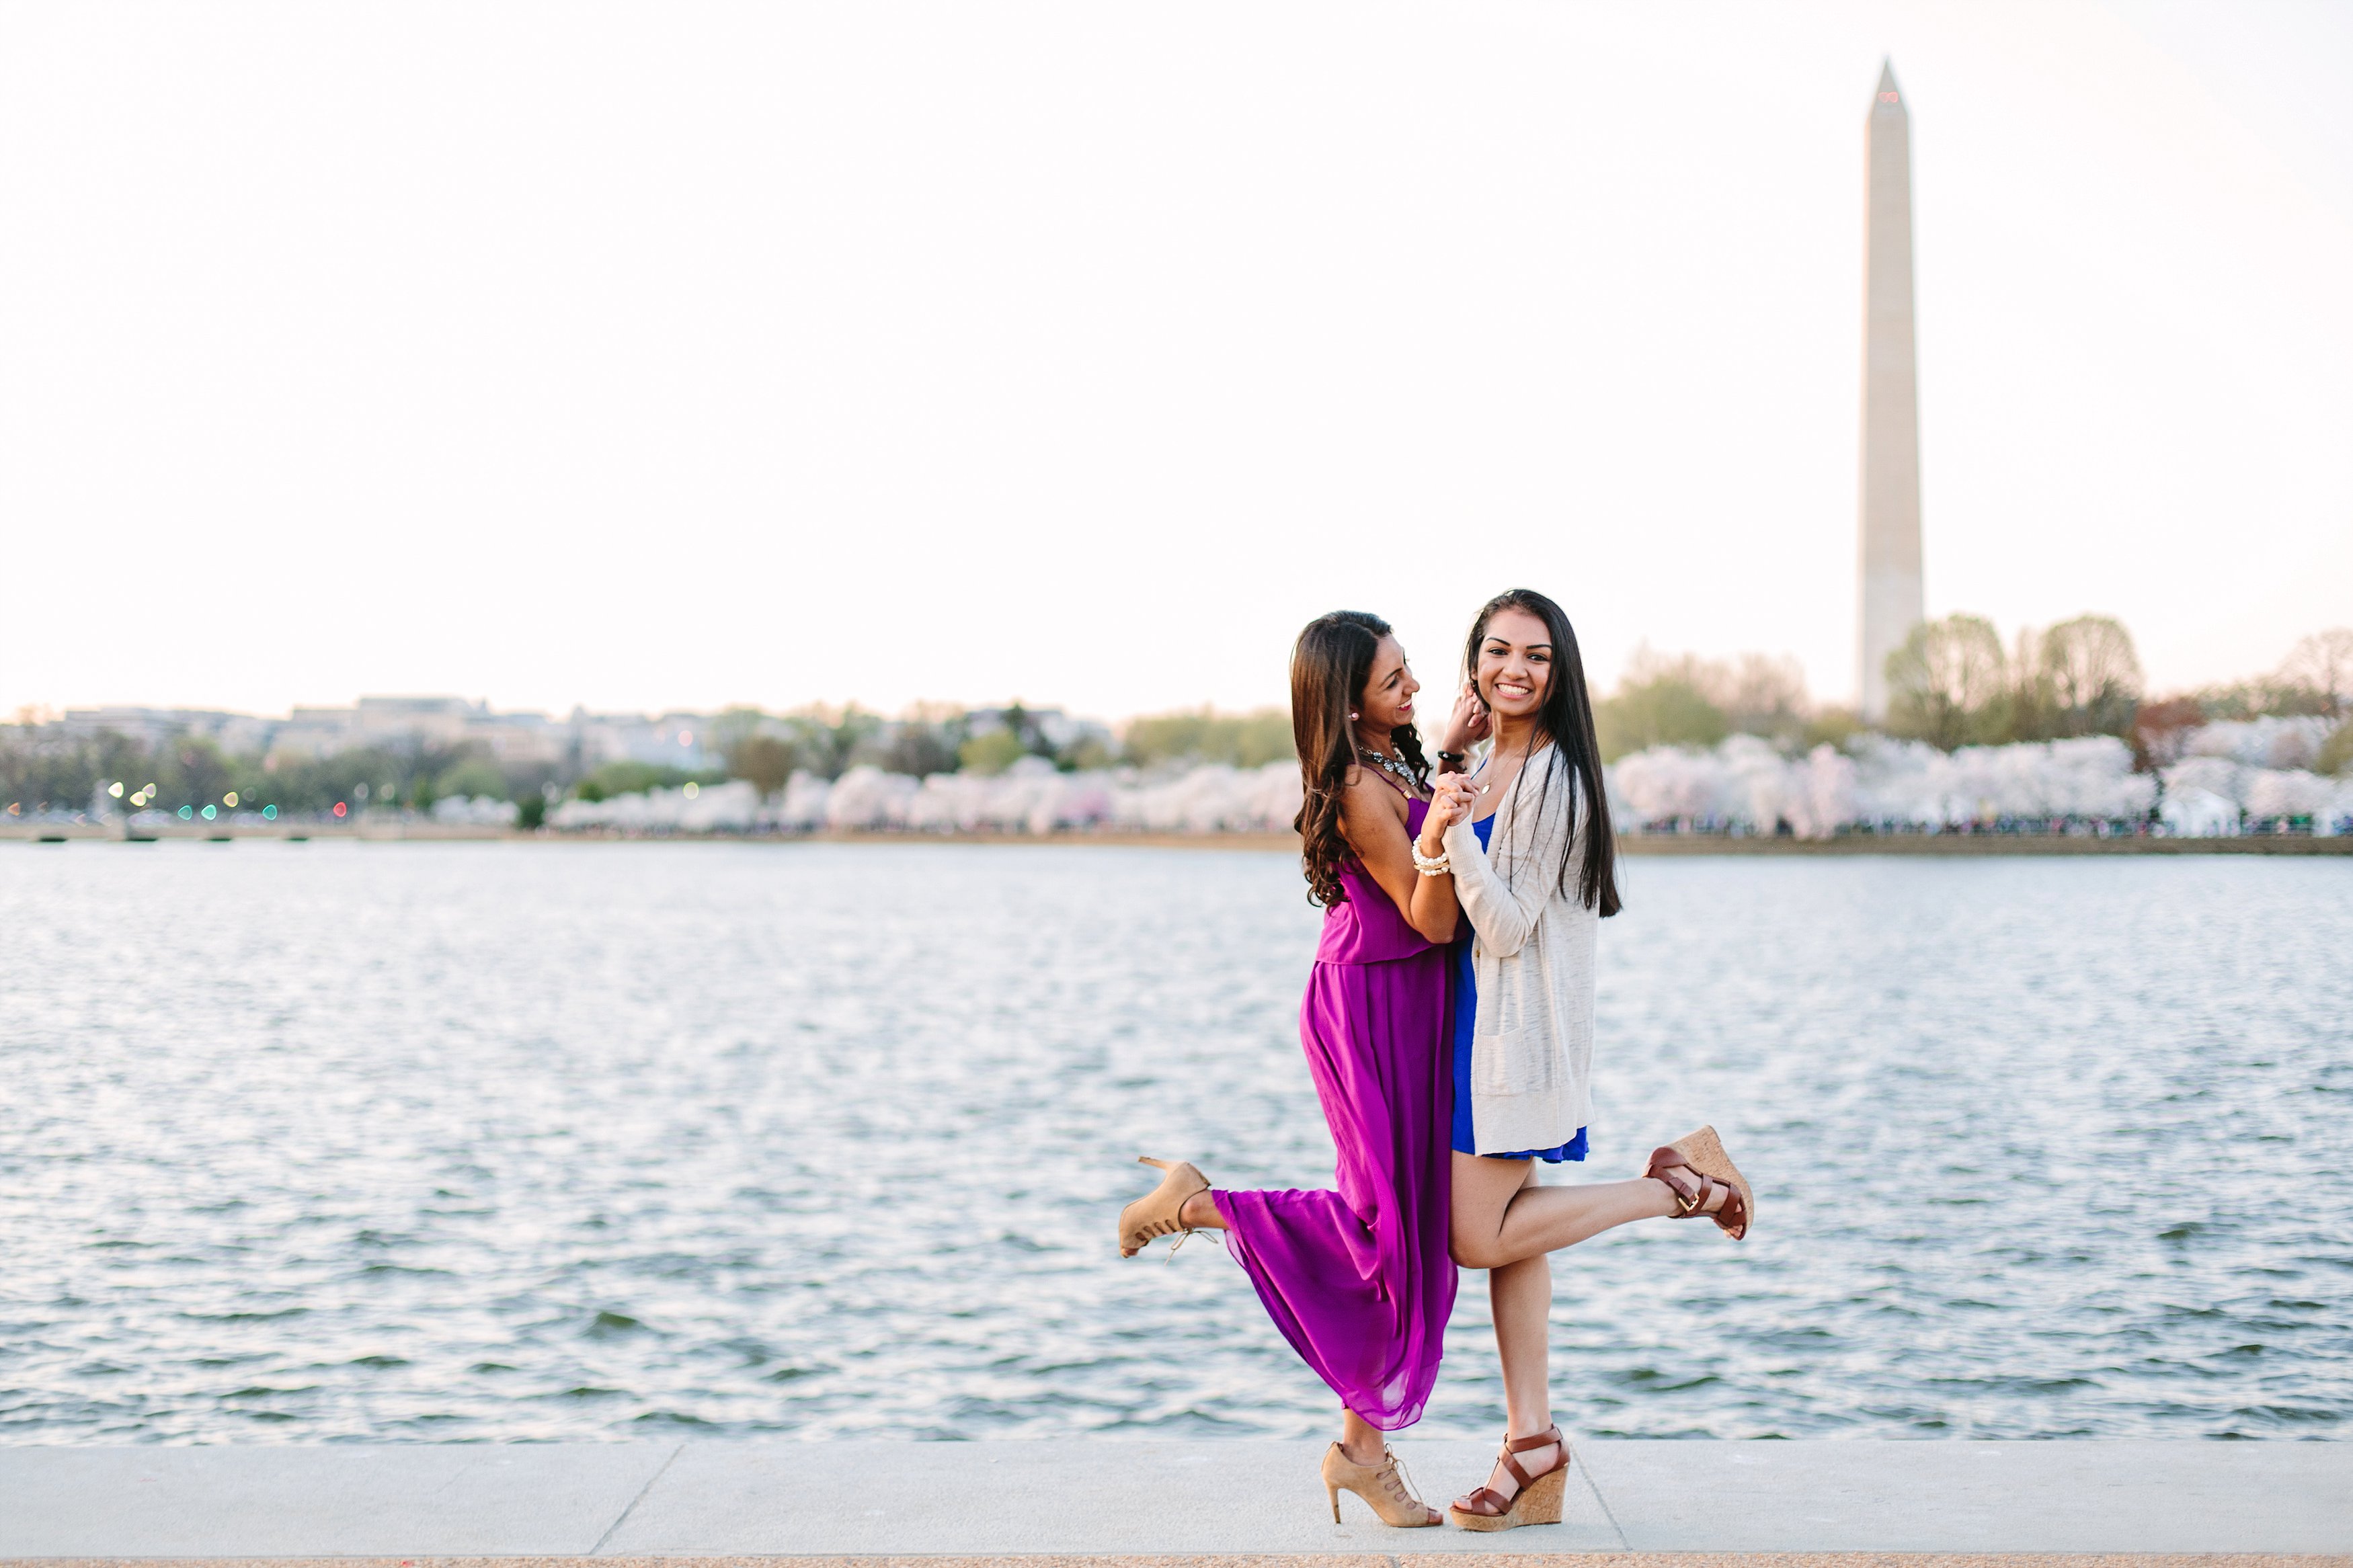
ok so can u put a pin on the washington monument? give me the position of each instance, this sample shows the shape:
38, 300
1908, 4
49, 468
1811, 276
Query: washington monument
1890, 567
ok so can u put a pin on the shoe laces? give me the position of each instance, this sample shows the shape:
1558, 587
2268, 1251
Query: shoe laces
1181, 1240
1409, 1489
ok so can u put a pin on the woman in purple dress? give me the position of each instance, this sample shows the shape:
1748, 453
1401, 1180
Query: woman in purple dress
1358, 1280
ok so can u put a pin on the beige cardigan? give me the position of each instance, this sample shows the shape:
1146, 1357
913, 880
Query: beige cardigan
1532, 952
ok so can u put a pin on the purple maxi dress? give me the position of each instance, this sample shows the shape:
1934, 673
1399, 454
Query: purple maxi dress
1360, 1280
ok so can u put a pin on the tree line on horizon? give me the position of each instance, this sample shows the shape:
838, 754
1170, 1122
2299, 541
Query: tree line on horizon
1952, 684
41, 769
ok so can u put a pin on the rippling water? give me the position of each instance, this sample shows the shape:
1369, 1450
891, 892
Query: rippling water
304, 1142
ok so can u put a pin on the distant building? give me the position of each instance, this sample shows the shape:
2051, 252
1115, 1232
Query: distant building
314, 732
403, 723
520, 738
674, 740
151, 726
391, 723
1889, 565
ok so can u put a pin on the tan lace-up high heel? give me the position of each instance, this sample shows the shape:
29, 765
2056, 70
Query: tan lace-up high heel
1159, 1211
1383, 1487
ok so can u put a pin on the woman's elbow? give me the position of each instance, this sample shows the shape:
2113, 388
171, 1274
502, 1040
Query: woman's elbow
1508, 945
1436, 933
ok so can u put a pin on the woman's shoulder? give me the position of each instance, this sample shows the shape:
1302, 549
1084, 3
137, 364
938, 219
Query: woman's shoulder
1545, 803
1365, 790
1550, 777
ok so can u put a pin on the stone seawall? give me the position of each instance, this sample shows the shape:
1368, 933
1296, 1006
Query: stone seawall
995, 1501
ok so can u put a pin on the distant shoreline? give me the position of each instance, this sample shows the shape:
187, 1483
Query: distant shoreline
1662, 844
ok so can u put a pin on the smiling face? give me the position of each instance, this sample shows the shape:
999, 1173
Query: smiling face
1387, 701
1515, 660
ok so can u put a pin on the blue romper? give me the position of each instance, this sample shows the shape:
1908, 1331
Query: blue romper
1466, 1010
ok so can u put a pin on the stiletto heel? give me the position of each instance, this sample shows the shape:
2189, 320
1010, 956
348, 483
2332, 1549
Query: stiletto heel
1159, 1211
1383, 1487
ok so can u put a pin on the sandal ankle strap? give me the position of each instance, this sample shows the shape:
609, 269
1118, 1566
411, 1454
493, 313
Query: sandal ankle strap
1546, 1438
1693, 1195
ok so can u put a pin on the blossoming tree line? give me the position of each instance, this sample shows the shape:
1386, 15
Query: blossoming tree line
2054, 731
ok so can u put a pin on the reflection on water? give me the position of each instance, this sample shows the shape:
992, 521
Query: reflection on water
306, 1142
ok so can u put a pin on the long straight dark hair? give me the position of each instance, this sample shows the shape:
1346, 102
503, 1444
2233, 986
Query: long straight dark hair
1330, 664
1565, 719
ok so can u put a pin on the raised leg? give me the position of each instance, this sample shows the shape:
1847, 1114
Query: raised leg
1200, 1213
1501, 1216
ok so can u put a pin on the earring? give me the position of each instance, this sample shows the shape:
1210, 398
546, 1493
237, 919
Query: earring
1352, 718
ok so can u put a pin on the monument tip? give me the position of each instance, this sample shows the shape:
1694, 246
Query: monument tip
1888, 95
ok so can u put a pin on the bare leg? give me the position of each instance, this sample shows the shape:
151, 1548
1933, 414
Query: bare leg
1200, 1213
1361, 1440
1506, 1223
1501, 1216
1520, 1296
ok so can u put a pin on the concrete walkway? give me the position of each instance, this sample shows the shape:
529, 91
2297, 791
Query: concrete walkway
649, 1501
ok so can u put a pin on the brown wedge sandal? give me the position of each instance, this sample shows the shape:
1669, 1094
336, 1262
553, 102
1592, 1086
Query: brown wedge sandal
1538, 1501
1384, 1487
1694, 1167
1158, 1212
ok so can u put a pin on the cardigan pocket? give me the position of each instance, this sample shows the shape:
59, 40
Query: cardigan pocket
1521, 1053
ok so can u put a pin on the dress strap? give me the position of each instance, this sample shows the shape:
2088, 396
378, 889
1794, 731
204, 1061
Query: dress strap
1387, 778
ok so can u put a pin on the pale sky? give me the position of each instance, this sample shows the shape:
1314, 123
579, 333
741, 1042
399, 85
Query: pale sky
650, 357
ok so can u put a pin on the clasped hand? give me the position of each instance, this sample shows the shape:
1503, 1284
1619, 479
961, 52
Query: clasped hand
1452, 797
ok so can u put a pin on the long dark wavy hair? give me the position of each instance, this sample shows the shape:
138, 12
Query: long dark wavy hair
1329, 666
1565, 719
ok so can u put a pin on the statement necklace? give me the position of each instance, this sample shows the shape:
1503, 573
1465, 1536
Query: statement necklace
1394, 766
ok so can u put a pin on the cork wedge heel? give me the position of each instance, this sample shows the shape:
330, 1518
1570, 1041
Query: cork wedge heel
1694, 1167
1539, 1498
